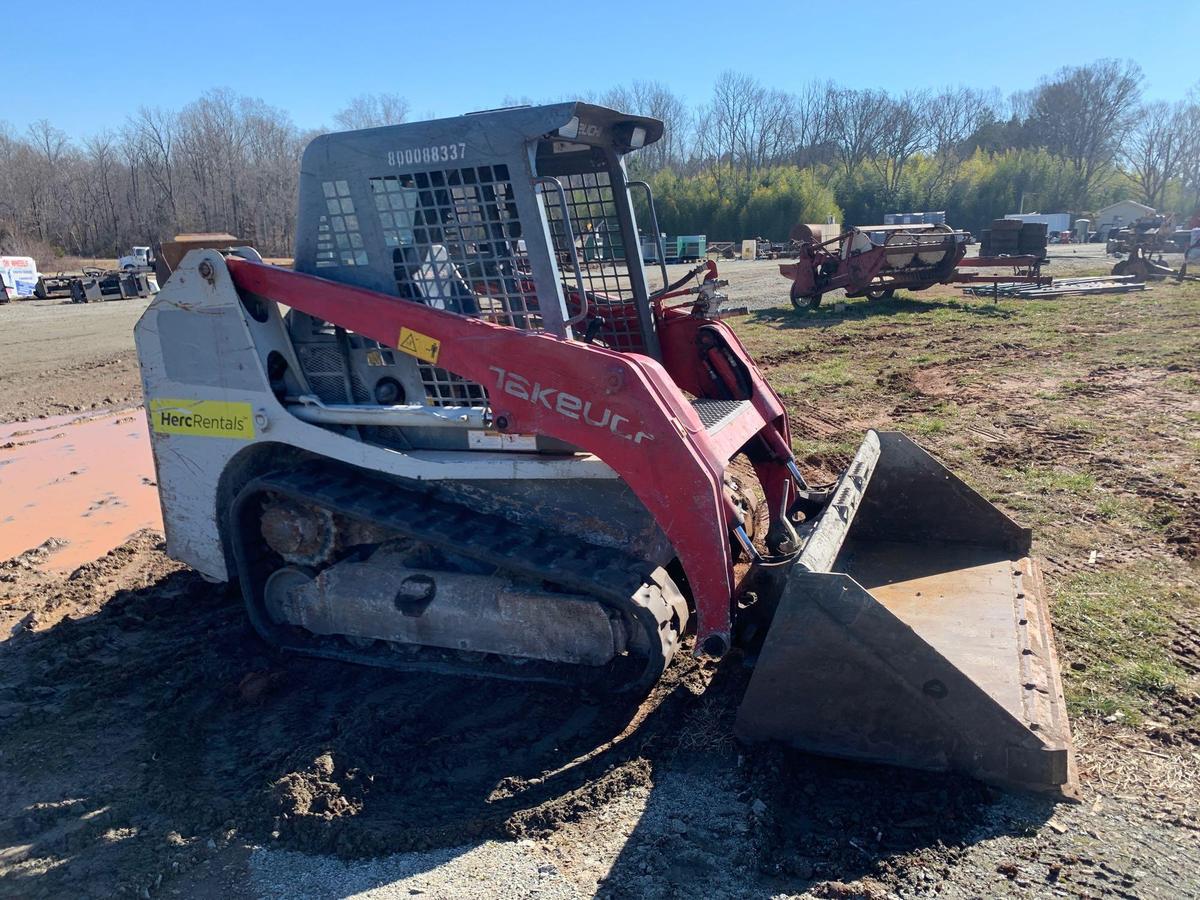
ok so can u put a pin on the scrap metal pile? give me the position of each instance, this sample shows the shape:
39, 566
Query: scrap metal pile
95, 285
1060, 287
1145, 241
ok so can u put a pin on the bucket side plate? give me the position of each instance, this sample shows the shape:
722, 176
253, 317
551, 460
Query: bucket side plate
842, 674
927, 645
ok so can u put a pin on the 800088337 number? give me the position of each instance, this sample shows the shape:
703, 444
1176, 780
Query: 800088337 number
433, 153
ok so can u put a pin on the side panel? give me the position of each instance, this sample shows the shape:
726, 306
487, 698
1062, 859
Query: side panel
210, 406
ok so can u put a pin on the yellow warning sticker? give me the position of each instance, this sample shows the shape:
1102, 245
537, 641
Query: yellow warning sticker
202, 418
422, 346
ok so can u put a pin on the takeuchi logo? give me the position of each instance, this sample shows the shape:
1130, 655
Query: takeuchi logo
567, 405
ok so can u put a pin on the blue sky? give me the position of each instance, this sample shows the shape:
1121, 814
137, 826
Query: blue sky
309, 57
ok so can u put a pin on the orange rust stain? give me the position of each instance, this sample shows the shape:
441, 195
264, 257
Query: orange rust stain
88, 480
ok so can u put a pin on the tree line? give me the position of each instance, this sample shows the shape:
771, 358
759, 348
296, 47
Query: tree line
223, 163
754, 160
750, 161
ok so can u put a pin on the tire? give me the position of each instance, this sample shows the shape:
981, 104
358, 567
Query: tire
1121, 267
799, 301
883, 294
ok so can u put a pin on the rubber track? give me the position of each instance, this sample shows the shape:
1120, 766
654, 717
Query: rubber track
621, 582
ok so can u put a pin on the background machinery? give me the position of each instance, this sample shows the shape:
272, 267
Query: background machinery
462, 437
875, 261
138, 259
1143, 243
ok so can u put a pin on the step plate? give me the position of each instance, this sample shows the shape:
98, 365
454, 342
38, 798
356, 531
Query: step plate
716, 414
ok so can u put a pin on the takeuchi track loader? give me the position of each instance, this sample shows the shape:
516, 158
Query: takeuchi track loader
465, 435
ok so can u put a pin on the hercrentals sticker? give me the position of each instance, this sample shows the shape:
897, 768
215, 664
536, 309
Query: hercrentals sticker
203, 418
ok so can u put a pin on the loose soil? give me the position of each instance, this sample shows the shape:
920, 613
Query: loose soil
151, 745
60, 357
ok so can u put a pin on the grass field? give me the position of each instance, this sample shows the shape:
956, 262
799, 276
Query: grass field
1078, 416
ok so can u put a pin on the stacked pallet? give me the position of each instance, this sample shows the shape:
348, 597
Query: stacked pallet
1012, 237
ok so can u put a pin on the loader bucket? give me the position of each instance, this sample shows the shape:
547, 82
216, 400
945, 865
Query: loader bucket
913, 630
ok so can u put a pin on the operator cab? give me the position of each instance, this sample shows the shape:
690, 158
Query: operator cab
519, 216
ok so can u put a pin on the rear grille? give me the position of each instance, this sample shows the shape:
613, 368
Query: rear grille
325, 371
455, 239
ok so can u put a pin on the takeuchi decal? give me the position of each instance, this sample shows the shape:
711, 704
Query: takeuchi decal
567, 405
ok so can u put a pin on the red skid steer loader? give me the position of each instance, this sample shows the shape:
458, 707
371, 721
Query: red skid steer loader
465, 435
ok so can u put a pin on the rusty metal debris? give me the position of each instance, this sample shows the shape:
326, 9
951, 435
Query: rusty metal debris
1061, 287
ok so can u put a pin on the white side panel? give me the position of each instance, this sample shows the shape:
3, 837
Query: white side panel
208, 398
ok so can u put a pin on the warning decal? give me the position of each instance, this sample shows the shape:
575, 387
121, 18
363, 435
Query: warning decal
422, 346
202, 418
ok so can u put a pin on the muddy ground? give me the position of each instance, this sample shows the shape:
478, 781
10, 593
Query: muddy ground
151, 746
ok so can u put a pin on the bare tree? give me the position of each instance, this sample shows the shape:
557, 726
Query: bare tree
1154, 149
1021, 104
808, 118
46, 148
1084, 115
1189, 149
228, 162
225, 162
101, 185
952, 116
856, 122
372, 111
904, 133
742, 129
149, 139
768, 134
650, 98
721, 125
9, 198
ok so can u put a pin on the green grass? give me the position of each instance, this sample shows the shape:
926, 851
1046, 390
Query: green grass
796, 380
1070, 424
1101, 371
925, 425
1039, 480
1073, 388
1115, 629
1187, 384
925, 359
828, 373
1109, 508
1161, 515
822, 448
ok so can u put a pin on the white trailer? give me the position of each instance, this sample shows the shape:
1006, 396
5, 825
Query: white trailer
1054, 222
